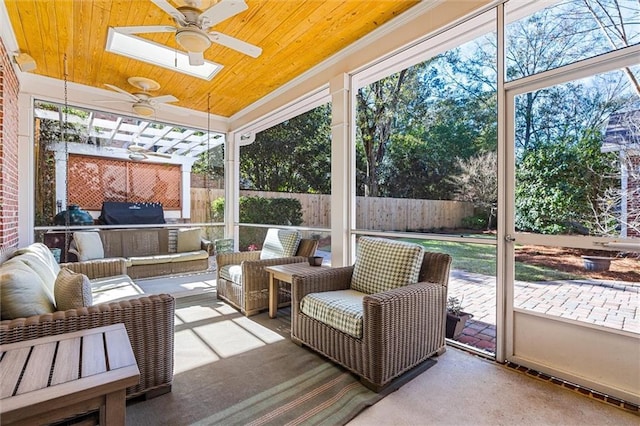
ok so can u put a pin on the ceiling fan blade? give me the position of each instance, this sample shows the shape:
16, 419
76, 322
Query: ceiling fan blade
134, 147
163, 99
172, 11
142, 29
111, 101
124, 92
235, 44
196, 58
220, 11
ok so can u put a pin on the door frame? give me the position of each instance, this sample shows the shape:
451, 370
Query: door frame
596, 357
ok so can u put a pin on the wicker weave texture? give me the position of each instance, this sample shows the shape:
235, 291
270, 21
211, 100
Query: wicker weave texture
252, 296
402, 327
98, 268
149, 322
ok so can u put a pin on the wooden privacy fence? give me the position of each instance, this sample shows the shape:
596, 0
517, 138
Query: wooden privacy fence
384, 214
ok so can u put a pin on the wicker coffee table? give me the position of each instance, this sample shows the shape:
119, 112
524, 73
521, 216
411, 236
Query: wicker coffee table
285, 274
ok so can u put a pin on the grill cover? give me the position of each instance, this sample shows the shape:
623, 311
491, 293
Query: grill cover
114, 213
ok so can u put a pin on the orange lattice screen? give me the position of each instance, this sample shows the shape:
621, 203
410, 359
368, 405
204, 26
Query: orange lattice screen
92, 180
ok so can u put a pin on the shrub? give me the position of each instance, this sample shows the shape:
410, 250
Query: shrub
475, 222
272, 211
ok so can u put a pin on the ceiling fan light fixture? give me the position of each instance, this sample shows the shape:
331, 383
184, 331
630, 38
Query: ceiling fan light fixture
192, 40
143, 109
137, 156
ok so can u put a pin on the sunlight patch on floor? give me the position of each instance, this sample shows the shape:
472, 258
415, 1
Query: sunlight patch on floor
259, 331
227, 338
191, 351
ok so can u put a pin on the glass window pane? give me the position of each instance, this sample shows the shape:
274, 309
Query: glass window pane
553, 35
285, 174
598, 288
426, 145
576, 158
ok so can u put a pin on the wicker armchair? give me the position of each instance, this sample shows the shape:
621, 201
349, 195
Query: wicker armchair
401, 327
249, 291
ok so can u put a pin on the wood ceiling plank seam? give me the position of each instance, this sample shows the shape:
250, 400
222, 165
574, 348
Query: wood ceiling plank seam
119, 16
18, 24
81, 41
63, 13
47, 35
263, 22
97, 41
242, 80
290, 65
322, 10
201, 95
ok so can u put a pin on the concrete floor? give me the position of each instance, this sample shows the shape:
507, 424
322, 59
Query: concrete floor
464, 389
461, 389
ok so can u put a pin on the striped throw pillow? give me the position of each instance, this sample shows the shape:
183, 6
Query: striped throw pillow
383, 264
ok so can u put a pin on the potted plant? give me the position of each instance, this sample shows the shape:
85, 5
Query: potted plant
456, 318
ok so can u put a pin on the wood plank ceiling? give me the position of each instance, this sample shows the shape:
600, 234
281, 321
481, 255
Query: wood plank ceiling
294, 36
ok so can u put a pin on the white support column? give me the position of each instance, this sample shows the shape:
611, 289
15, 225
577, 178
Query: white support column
26, 187
231, 187
186, 191
61, 178
342, 182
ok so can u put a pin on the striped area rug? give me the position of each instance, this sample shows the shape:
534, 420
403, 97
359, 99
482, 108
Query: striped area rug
250, 373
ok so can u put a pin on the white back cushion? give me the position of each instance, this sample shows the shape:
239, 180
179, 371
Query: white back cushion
88, 245
280, 243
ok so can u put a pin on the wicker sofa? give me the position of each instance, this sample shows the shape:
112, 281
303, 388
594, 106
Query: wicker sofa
399, 327
149, 319
149, 251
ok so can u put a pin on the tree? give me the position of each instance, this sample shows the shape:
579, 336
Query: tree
477, 183
378, 106
293, 156
558, 185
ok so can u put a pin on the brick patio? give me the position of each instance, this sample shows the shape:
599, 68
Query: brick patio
612, 304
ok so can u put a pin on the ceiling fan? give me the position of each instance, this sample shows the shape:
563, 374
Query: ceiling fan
142, 102
192, 25
138, 152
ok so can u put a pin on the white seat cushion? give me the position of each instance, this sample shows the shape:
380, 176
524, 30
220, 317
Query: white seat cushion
231, 273
340, 309
383, 264
111, 289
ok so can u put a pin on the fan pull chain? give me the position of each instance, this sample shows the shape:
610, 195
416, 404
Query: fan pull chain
63, 135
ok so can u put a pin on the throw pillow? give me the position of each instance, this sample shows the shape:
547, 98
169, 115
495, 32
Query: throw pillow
188, 239
280, 243
22, 292
72, 290
88, 245
383, 264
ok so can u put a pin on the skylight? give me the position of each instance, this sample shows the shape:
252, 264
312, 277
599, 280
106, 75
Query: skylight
156, 54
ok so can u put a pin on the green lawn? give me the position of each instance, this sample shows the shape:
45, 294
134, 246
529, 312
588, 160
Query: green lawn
481, 259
